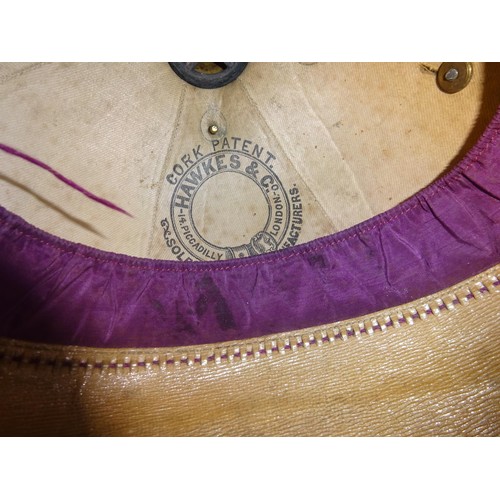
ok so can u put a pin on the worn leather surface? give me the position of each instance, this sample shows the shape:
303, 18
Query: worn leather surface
436, 374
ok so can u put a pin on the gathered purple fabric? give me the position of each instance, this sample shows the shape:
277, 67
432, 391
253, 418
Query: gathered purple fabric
55, 291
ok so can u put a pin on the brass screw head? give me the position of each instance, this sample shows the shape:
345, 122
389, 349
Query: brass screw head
454, 77
213, 129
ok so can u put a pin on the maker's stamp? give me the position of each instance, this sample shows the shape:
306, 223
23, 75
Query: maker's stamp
228, 202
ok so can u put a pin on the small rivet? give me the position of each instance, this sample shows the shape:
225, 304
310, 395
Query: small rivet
451, 74
213, 129
454, 77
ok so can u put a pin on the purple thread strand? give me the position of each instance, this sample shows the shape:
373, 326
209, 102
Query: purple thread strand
62, 178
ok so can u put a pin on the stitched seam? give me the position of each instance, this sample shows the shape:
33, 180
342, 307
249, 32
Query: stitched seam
432, 191
164, 166
282, 149
22, 71
253, 349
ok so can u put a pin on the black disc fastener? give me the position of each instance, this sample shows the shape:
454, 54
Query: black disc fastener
208, 75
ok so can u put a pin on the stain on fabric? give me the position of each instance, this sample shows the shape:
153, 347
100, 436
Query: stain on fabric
317, 261
210, 298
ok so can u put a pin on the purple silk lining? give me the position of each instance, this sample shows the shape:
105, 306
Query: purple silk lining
55, 291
